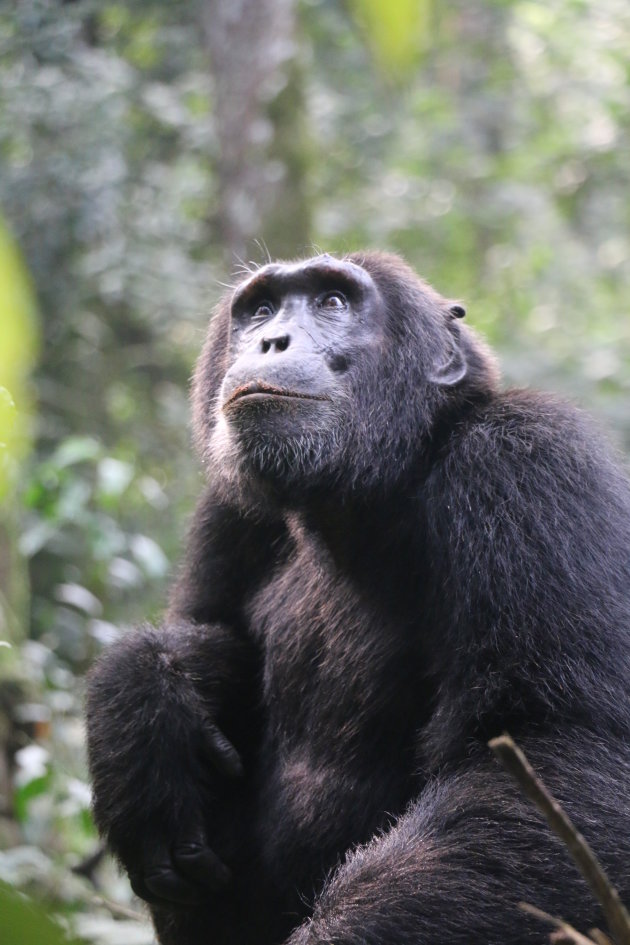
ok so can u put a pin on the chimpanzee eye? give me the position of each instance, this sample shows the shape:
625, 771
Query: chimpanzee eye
263, 311
333, 302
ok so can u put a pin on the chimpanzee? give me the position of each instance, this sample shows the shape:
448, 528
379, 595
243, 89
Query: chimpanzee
393, 561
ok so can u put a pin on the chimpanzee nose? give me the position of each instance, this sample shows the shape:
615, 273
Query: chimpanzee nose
279, 343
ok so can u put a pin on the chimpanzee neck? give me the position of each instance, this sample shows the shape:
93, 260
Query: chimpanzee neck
366, 538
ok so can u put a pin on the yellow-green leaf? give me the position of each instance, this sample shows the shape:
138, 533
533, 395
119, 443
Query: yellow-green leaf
396, 31
18, 333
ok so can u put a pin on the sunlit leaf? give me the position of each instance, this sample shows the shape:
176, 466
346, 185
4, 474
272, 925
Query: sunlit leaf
79, 597
76, 449
17, 355
149, 555
397, 32
34, 538
114, 475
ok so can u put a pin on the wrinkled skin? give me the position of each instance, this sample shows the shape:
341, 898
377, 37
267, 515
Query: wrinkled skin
392, 562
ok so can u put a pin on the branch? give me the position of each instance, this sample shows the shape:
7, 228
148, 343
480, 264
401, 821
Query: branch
120, 911
568, 932
515, 762
598, 936
88, 866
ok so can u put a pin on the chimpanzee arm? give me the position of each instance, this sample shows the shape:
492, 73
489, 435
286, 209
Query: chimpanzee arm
454, 867
529, 550
171, 720
227, 555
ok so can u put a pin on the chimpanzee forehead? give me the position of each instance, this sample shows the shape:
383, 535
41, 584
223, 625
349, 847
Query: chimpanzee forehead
320, 271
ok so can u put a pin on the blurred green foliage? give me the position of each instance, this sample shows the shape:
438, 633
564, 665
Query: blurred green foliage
25, 924
488, 141
17, 354
396, 33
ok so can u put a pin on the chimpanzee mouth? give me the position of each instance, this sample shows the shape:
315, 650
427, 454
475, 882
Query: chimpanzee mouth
260, 390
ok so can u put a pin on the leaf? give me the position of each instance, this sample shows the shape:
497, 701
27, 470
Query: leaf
396, 32
24, 923
114, 476
80, 597
149, 556
76, 449
17, 355
24, 795
35, 537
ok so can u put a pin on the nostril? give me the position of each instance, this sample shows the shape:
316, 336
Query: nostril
282, 343
266, 345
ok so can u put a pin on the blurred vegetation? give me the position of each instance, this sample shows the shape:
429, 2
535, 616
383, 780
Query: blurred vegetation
146, 146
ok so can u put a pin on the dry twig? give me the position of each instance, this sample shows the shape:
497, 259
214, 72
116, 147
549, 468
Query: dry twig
568, 933
515, 762
118, 910
598, 936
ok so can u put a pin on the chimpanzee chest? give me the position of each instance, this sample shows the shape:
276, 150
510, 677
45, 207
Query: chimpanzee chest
340, 688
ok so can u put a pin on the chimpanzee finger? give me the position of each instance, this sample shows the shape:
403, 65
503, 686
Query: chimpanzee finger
220, 751
162, 881
199, 863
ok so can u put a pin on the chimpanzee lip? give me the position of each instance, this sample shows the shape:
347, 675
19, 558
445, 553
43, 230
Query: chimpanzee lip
261, 389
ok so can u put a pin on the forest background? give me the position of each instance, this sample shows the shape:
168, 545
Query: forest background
149, 149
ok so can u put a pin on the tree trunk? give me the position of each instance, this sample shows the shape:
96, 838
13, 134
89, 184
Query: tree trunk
259, 113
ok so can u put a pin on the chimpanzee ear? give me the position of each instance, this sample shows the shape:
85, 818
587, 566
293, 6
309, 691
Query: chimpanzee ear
454, 368
453, 371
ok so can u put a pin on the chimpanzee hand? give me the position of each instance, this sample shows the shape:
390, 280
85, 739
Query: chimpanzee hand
174, 863
164, 773
177, 873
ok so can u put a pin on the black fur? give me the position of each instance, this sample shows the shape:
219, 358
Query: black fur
380, 577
